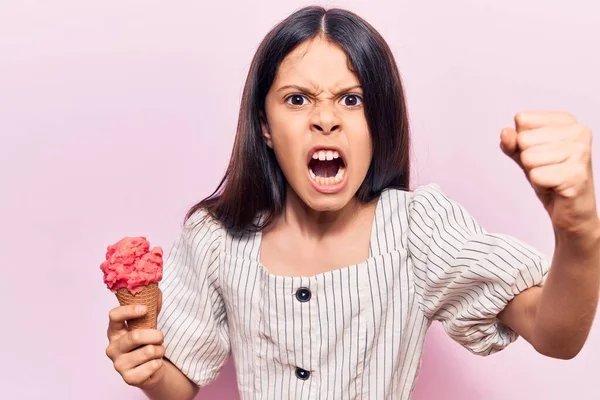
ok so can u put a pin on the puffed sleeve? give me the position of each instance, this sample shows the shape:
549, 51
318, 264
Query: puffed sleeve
465, 276
193, 318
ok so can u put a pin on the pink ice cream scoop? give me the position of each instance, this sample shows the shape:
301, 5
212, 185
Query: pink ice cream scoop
131, 264
132, 271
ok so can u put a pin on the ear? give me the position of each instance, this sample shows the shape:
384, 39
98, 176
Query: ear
266, 131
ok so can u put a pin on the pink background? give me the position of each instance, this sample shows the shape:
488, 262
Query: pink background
116, 116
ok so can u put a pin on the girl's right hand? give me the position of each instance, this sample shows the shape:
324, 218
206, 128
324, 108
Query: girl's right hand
138, 354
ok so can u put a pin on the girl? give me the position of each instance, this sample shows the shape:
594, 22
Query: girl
320, 271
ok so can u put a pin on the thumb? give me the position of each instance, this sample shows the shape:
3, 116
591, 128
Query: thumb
509, 146
508, 141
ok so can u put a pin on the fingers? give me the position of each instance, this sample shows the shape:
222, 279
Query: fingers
508, 141
137, 376
546, 154
118, 315
542, 146
508, 144
536, 119
138, 354
539, 136
135, 348
556, 176
139, 337
132, 340
138, 357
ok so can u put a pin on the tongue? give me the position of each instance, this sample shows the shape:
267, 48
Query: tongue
325, 168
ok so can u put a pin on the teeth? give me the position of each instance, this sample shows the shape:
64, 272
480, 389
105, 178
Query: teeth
339, 176
325, 155
332, 180
328, 155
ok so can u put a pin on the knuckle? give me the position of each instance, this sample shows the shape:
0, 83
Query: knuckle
584, 131
149, 351
152, 365
527, 159
118, 364
133, 378
534, 174
130, 378
523, 140
109, 351
582, 128
582, 150
134, 336
569, 116
160, 351
520, 117
156, 365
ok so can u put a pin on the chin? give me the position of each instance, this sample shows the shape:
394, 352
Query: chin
327, 205
326, 202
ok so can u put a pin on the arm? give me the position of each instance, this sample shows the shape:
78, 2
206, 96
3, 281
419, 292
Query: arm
174, 386
554, 151
557, 318
193, 315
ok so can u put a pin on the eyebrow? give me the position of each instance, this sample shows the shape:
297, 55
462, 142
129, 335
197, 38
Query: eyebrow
307, 90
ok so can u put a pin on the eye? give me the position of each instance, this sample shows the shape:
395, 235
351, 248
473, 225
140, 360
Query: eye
296, 100
352, 100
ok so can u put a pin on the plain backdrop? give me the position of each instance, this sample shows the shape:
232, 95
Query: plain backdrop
116, 116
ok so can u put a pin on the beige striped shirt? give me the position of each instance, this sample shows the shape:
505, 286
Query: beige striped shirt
352, 333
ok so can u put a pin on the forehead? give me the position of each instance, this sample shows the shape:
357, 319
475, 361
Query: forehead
317, 63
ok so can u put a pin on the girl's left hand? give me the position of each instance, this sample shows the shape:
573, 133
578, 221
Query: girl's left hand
554, 151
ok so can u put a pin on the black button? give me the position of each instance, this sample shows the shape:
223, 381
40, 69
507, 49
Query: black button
302, 374
303, 294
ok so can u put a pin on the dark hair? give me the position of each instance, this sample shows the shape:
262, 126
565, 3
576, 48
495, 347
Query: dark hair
253, 183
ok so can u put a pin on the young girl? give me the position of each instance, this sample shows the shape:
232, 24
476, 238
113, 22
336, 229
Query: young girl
320, 271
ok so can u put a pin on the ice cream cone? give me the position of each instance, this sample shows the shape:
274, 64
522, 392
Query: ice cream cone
148, 296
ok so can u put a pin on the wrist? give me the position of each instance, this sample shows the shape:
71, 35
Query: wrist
581, 241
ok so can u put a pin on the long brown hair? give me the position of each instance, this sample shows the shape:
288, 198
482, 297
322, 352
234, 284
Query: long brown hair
253, 183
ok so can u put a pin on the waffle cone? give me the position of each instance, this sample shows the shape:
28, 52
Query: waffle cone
148, 296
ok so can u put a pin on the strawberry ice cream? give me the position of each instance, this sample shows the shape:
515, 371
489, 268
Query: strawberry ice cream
131, 264
132, 271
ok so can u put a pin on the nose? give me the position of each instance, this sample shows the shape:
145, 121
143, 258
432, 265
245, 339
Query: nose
324, 120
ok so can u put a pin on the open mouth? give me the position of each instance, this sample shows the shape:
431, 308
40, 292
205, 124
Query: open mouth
327, 167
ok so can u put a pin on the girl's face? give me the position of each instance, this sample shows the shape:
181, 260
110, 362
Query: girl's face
316, 125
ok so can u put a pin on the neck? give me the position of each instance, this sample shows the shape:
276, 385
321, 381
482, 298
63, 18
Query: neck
309, 223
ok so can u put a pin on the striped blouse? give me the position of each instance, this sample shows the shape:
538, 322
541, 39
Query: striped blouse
351, 333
